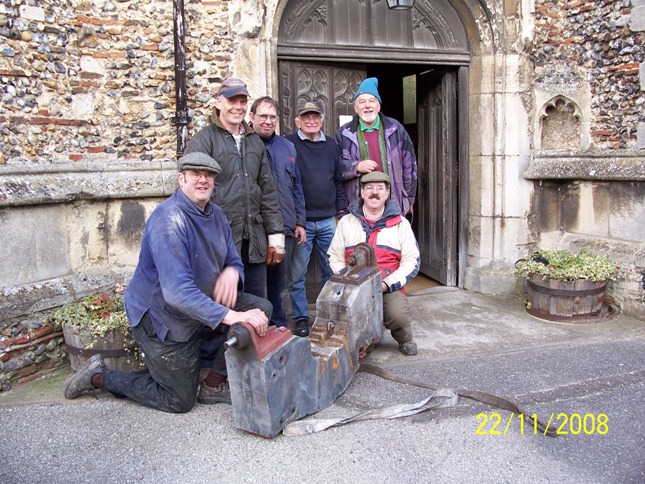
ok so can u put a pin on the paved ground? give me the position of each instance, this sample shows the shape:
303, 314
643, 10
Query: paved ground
589, 379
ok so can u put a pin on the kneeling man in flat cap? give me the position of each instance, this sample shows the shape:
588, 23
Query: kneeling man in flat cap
375, 219
185, 293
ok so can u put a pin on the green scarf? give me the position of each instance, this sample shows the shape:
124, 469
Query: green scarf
362, 143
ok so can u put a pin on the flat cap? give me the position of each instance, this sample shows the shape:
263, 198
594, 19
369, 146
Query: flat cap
375, 177
198, 161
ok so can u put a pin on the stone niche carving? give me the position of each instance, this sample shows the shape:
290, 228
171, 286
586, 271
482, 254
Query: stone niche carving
560, 124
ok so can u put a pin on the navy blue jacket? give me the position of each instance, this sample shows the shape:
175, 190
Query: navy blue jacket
183, 251
282, 158
322, 179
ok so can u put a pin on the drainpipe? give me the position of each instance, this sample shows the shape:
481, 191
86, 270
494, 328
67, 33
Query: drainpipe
181, 118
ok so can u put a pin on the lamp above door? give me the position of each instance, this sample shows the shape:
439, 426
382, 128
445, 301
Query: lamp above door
400, 4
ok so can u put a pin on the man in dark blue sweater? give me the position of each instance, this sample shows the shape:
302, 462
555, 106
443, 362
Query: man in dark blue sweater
322, 184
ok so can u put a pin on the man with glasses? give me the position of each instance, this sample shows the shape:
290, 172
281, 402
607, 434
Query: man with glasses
374, 142
185, 293
245, 189
374, 218
282, 159
319, 164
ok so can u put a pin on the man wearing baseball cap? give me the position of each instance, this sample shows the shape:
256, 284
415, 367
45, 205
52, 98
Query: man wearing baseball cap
181, 300
246, 189
374, 218
320, 171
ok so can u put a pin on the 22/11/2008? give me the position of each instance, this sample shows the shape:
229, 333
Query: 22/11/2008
574, 424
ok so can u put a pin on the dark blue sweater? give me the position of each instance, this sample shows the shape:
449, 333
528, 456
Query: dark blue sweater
321, 173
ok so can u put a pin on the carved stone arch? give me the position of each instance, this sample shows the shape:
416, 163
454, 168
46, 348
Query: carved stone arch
339, 29
560, 123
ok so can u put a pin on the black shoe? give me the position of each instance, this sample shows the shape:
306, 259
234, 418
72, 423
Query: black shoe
81, 381
301, 328
209, 395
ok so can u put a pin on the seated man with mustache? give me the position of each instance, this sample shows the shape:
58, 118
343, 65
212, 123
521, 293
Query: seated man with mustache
377, 220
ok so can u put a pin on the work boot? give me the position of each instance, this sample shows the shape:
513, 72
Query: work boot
301, 328
209, 395
409, 348
81, 381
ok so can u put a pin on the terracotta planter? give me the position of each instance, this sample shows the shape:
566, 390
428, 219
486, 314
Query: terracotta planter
117, 350
567, 301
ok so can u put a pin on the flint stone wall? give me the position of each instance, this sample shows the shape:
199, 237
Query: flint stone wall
87, 98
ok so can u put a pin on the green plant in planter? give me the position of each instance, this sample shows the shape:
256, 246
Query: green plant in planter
99, 314
564, 265
98, 322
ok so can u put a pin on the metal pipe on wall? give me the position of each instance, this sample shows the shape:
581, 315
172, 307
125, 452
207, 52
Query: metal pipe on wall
181, 118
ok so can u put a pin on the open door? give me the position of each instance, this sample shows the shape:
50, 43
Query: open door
436, 205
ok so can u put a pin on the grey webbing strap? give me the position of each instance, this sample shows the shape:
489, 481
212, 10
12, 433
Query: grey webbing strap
483, 397
443, 397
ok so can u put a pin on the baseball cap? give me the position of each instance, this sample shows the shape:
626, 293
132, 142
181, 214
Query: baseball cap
306, 106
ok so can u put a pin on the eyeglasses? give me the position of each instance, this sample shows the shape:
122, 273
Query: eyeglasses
196, 176
374, 188
266, 117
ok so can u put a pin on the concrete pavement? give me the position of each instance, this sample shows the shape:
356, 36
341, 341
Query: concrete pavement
589, 379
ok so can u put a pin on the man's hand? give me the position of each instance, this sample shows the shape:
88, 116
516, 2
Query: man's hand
225, 291
276, 250
255, 317
366, 166
410, 214
300, 234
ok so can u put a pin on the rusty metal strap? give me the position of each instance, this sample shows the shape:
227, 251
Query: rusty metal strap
114, 353
483, 397
443, 397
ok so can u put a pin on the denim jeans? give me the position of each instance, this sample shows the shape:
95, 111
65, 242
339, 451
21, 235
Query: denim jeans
319, 235
172, 377
277, 278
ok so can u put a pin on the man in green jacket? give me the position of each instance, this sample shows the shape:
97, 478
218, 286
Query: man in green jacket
245, 188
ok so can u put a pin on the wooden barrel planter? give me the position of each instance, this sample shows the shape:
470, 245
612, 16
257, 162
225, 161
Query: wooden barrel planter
117, 350
565, 301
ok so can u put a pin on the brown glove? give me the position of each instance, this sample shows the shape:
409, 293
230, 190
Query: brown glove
276, 250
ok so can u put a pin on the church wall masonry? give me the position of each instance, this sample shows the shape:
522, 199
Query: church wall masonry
588, 166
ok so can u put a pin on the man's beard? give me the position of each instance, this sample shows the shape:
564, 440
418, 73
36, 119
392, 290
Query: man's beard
369, 118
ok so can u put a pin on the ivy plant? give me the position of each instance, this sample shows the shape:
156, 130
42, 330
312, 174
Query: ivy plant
564, 265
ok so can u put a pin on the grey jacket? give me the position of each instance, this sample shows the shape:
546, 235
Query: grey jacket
245, 189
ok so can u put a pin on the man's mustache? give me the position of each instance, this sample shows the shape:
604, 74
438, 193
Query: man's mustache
375, 196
